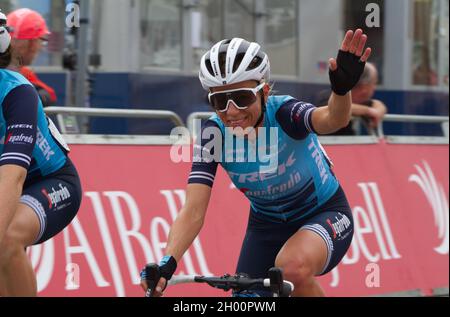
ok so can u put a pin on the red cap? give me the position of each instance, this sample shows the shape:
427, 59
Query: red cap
26, 24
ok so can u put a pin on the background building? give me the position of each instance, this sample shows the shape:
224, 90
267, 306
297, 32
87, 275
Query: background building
150, 50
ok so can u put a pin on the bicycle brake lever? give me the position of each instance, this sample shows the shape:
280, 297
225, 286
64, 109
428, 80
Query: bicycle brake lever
276, 281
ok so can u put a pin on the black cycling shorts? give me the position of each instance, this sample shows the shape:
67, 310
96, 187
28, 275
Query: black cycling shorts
333, 222
55, 199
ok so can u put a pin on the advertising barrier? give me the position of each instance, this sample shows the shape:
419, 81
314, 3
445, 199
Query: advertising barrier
132, 194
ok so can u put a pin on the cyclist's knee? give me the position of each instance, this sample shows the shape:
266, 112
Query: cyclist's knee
295, 269
23, 229
10, 248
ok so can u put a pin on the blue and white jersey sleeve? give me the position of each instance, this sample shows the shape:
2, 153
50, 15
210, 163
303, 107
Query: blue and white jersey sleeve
295, 118
204, 166
20, 109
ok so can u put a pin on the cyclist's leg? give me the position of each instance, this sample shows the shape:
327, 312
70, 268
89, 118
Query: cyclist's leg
259, 249
16, 273
256, 258
301, 258
45, 209
315, 249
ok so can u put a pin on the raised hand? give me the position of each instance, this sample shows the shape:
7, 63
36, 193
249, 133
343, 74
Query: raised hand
347, 68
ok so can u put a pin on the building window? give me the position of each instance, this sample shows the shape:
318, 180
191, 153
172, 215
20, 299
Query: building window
355, 16
215, 20
239, 20
161, 33
207, 28
444, 42
281, 41
430, 43
426, 43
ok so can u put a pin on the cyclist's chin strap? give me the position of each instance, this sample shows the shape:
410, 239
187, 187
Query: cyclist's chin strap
263, 111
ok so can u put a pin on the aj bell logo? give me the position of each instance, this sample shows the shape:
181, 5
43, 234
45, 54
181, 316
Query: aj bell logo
437, 198
56, 196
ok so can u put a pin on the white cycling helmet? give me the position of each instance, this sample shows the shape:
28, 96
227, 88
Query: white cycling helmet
5, 38
233, 61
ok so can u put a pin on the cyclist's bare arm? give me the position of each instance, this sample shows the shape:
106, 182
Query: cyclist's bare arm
186, 227
190, 220
12, 178
334, 116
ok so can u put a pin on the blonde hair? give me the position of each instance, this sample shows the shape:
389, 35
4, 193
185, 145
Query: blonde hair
6, 57
20, 46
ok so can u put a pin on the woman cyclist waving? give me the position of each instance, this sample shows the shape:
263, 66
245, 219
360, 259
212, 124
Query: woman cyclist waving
300, 219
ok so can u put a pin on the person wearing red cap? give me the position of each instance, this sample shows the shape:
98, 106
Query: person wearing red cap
28, 31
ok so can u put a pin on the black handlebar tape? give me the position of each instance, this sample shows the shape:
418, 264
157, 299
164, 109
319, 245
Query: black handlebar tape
276, 280
153, 276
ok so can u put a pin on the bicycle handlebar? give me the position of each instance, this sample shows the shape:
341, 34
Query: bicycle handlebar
275, 282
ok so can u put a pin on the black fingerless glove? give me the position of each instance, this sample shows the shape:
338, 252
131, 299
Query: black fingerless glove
347, 74
167, 266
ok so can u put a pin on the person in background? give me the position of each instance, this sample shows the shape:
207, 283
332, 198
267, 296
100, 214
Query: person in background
29, 34
372, 111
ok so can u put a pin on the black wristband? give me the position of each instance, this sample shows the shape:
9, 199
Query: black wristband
167, 267
346, 76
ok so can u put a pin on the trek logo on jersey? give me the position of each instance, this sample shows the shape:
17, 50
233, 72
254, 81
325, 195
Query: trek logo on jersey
20, 126
43, 145
19, 139
339, 226
258, 176
56, 196
315, 153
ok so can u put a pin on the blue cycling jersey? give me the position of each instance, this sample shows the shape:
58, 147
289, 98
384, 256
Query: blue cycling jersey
302, 180
27, 137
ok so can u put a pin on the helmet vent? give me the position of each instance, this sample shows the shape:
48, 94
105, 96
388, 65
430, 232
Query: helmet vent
208, 64
222, 59
257, 60
238, 61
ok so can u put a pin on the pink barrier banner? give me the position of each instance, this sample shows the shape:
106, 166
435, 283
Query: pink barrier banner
132, 194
